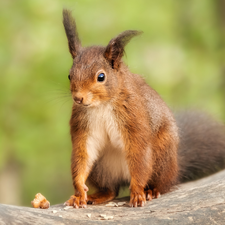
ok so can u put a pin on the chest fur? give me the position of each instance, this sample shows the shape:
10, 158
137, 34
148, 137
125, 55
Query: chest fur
105, 144
103, 131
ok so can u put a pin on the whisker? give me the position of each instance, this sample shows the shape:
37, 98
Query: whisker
57, 94
64, 103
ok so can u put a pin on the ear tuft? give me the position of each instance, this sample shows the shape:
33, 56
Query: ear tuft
115, 49
71, 33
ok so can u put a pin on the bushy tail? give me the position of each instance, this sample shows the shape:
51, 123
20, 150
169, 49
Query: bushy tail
202, 145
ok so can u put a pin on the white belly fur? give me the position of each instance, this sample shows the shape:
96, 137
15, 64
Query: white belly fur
105, 146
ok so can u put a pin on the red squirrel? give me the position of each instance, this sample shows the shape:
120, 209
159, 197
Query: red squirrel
123, 133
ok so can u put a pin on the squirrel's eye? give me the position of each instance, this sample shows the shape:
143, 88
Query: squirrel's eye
69, 77
101, 77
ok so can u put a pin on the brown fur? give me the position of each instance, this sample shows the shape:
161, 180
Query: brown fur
101, 196
140, 138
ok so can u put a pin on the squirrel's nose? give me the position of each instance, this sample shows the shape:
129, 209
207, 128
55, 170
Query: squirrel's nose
78, 100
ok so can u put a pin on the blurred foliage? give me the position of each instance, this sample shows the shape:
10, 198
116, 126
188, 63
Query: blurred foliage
181, 54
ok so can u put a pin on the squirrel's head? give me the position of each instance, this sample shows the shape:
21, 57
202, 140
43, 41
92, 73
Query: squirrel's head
94, 76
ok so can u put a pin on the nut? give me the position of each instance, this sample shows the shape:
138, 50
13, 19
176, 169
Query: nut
40, 202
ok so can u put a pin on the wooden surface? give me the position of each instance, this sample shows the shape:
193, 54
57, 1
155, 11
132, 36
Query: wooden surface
199, 202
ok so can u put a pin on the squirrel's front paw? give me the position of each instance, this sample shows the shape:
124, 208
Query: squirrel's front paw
137, 198
76, 202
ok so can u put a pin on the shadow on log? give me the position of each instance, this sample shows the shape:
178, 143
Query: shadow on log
198, 202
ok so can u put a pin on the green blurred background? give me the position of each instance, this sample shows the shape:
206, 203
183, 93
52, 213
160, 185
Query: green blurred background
181, 54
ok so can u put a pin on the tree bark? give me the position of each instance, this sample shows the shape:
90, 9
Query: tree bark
198, 202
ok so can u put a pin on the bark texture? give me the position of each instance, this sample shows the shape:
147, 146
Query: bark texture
198, 202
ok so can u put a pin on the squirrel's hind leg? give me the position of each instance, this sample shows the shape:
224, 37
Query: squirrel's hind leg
101, 196
152, 193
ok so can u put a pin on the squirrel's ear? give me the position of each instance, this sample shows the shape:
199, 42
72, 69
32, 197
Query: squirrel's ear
71, 33
115, 49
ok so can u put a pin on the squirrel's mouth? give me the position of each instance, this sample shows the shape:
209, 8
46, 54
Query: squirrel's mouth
82, 104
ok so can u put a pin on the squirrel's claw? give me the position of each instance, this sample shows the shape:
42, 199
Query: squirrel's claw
76, 202
150, 194
156, 193
137, 199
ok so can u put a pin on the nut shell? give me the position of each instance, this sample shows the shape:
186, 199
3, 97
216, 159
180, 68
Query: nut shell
40, 202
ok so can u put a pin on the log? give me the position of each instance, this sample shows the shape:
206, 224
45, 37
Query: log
198, 202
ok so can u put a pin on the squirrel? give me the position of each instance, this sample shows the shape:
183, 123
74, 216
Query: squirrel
123, 133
